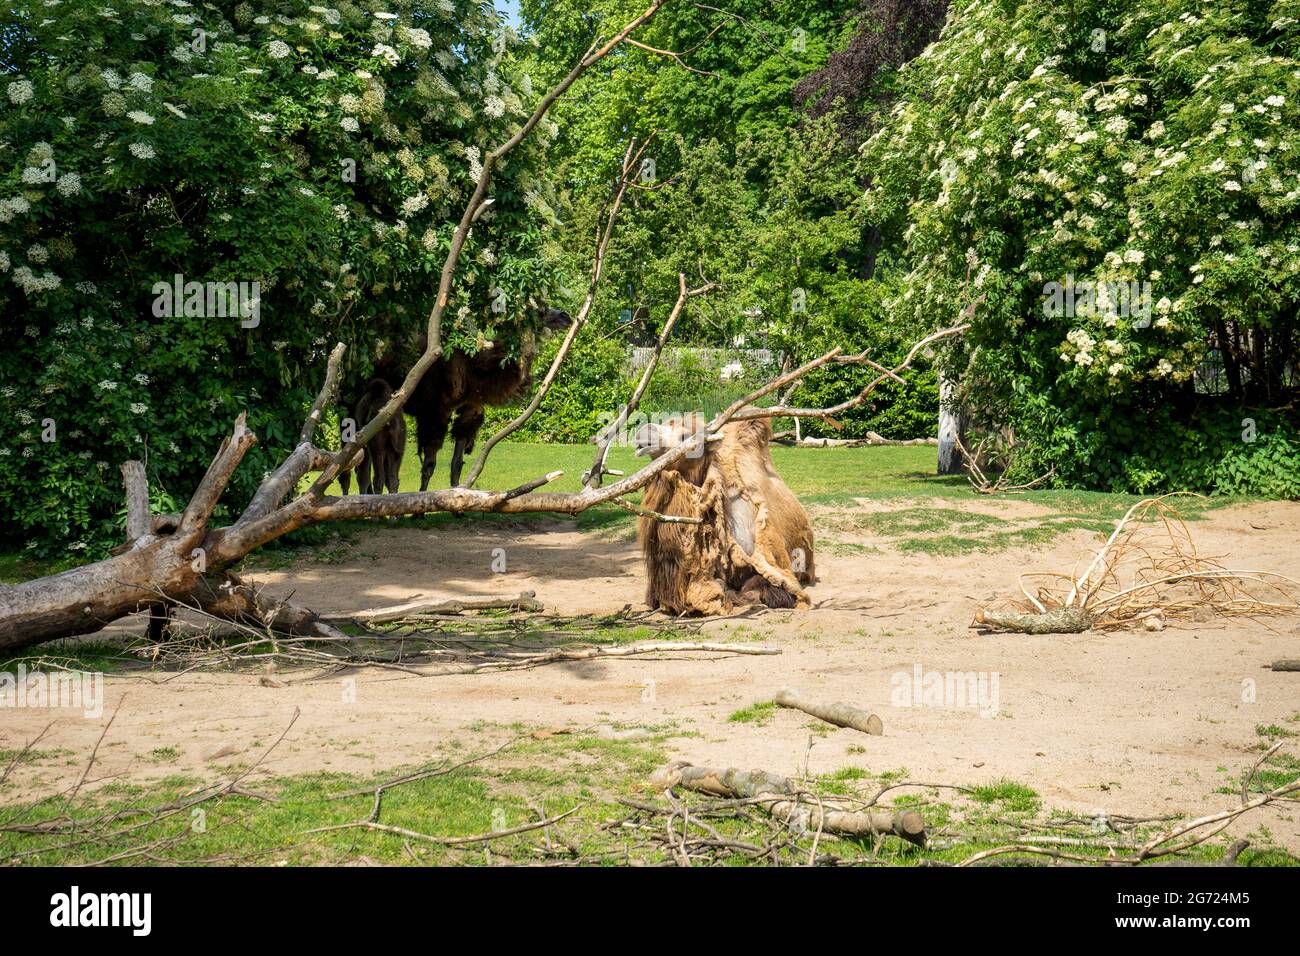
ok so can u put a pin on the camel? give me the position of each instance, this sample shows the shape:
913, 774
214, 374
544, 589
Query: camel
380, 467
380, 462
460, 385
754, 542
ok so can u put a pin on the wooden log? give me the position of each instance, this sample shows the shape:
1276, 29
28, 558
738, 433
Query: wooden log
1286, 665
1065, 620
841, 715
775, 794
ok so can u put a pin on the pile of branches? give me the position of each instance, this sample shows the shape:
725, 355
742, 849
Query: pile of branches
423, 639
1148, 572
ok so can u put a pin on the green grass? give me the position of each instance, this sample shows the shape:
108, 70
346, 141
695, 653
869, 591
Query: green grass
923, 516
759, 713
1008, 795
271, 821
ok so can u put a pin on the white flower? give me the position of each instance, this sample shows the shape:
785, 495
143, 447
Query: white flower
494, 107
418, 38
1115, 369
138, 408
141, 117
1232, 186
350, 124
1163, 367
142, 82
341, 211
20, 91
386, 53
69, 184
413, 204
277, 49
142, 151
38, 254
1134, 255
1275, 100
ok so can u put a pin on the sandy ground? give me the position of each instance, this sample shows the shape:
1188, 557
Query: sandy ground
1136, 723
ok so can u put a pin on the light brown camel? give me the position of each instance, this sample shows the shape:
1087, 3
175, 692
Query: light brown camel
754, 542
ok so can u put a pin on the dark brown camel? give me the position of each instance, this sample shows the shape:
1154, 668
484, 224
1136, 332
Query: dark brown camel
381, 462
461, 386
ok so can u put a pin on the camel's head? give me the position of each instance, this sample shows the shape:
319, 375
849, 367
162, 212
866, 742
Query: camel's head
653, 439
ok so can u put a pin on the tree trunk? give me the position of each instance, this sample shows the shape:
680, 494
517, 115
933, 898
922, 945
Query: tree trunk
952, 427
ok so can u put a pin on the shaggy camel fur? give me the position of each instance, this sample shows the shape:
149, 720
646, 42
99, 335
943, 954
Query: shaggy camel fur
463, 385
754, 544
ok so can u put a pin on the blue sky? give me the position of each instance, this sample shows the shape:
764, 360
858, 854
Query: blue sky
511, 9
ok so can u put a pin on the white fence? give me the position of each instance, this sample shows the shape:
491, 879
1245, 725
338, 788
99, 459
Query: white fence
639, 357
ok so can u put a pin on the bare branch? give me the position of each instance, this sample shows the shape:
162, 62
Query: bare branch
597, 472
630, 161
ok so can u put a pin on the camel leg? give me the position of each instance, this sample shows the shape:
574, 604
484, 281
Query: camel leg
429, 445
364, 485
393, 467
465, 431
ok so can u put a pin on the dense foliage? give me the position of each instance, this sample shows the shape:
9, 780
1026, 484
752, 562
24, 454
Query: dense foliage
321, 152
742, 188
1113, 147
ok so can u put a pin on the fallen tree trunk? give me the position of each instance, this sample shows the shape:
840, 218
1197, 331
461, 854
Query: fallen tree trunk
781, 798
841, 715
872, 439
1066, 620
1286, 665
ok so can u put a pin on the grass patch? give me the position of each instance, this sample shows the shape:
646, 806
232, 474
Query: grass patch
1008, 795
760, 713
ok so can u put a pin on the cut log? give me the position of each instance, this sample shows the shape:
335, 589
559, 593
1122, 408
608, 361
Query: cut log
782, 799
1065, 620
841, 715
1286, 665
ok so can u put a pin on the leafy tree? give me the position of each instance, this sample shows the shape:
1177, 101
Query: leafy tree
1122, 176
320, 152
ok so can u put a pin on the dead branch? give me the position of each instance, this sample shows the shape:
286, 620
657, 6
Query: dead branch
1148, 571
841, 715
631, 159
527, 601
448, 841
871, 439
597, 471
780, 797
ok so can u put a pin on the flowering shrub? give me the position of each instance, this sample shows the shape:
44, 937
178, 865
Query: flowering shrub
313, 157
1121, 178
